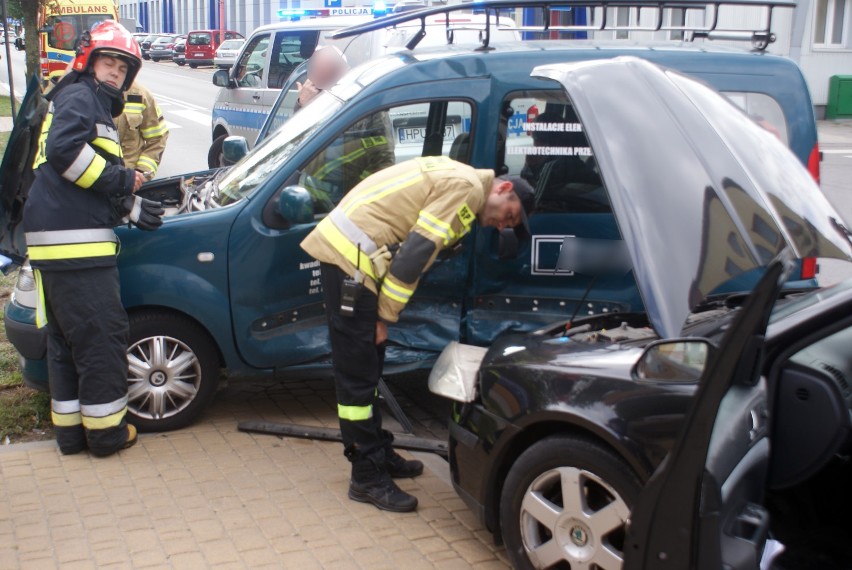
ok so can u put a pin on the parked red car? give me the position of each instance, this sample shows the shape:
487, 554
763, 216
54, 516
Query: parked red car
201, 45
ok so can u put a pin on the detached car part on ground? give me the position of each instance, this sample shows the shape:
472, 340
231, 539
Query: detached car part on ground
235, 291
555, 435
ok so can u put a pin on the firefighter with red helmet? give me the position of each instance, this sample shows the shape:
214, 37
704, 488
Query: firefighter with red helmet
80, 191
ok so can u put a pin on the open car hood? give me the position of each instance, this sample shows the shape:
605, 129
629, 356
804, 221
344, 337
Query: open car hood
16, 171
701, 192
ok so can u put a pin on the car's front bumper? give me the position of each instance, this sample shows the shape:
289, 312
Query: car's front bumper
29, 341
475, 441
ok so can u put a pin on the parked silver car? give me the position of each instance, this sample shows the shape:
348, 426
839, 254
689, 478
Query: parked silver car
227, 53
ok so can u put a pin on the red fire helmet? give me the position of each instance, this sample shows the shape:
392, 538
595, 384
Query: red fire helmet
109, 38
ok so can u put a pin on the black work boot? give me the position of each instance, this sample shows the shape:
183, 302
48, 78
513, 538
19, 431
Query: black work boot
396, 465
370, 484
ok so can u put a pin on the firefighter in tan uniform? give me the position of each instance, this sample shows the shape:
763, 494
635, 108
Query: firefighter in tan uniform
415, 208
142, 131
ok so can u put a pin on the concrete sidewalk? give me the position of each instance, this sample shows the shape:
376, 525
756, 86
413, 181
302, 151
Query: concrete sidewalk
212, 496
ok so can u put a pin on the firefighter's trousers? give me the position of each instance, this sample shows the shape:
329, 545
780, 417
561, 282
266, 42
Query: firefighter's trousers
357, 364
87, 358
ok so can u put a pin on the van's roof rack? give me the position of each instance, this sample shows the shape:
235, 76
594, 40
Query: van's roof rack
689, 19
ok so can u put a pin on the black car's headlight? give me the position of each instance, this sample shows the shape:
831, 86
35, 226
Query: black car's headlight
455, 373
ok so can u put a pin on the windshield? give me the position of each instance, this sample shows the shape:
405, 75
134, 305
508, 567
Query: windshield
65, 29
799, 303
268, 157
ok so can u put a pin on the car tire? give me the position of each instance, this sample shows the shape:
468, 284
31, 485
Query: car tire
155, 59
215, 156
192, 65
583, 532
173, 371
181, 63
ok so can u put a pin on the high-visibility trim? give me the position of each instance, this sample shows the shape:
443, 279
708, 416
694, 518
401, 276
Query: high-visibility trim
83, 161
65, 406
92, 173
346, 248
66, 420
354, 413
104, 422
103, 410
59, 237
396, 291
352, 232
41, 313
436, 227
148, 163
65, 413
155, 131
107, 132
386, 187
107, 145
134, 108
72, 251
41, 154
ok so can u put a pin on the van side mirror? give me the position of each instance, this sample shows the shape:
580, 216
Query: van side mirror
221, 79
675, 361
234, 148
296, 206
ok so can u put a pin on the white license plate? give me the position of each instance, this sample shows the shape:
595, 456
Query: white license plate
412, 135
198, 55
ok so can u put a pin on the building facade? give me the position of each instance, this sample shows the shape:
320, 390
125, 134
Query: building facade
817, 34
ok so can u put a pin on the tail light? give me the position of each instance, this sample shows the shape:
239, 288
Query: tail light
813, 162
809, 264
809, 268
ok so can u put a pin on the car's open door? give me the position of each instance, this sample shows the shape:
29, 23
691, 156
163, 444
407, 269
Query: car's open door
703, 508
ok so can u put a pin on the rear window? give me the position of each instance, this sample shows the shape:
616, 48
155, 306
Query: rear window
199, 39
764, 110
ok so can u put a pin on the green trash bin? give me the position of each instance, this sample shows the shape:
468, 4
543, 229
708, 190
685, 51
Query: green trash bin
839, 97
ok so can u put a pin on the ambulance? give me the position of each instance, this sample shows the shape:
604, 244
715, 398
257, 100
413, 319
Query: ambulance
60, 24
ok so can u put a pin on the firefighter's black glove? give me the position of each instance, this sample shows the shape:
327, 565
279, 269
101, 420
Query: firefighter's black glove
142, 213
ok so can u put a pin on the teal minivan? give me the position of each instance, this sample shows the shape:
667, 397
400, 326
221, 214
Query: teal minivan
223, 284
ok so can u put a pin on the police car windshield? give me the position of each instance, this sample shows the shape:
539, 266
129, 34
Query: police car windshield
266, 158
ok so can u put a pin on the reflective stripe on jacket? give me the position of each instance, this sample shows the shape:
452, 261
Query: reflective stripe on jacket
422, 205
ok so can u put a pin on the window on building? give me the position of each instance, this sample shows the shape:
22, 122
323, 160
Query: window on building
831, 22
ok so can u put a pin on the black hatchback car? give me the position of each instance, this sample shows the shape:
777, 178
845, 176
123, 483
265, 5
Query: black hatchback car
556, 435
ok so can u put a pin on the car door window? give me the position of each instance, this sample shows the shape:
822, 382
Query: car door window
543, 140
249, 69
381, 139
289, 50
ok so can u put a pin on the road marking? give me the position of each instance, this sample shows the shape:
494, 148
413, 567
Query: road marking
836, 150
194, 116
164, 101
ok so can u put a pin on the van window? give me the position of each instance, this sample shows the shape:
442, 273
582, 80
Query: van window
248, 72
543, 141
199, 39
764, 110
379, 140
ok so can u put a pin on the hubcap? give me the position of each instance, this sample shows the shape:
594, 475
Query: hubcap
572, 516
163, 379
